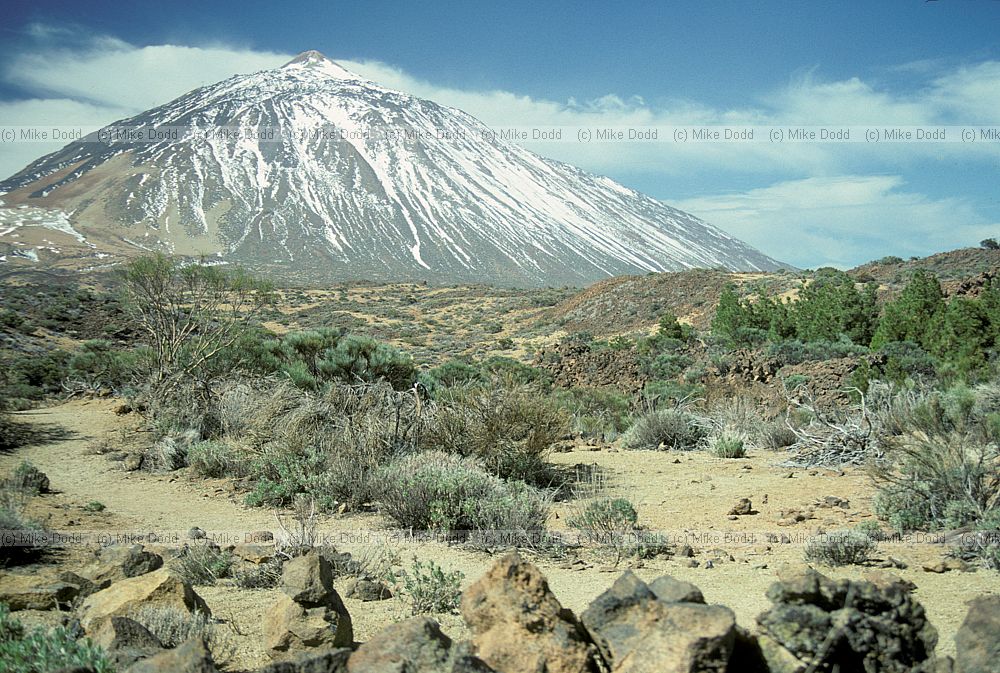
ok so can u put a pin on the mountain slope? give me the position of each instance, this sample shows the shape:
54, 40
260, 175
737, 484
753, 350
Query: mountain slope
311, 168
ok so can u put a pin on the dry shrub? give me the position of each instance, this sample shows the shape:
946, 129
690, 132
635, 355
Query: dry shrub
937, 481
443, 492
169, 452
265, 575
203, 564
326, 446
509, 427
666, 429
172, 625
841, 548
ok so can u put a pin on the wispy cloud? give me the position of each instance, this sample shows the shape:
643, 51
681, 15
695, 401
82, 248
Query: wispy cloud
840, 220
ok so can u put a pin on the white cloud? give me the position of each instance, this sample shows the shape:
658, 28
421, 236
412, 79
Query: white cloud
844, 220
118, 75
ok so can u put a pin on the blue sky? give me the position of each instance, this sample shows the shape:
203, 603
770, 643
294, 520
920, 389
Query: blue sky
902, 62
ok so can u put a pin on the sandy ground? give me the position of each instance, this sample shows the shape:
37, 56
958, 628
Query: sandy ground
684, 495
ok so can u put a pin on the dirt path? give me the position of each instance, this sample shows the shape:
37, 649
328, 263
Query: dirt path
687, 493
147, 500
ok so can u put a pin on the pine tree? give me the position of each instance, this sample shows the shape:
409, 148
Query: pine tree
914, 315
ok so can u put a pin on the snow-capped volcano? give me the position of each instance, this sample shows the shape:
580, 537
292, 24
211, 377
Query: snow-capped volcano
313, 168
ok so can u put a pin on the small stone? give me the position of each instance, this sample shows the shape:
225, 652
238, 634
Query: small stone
196, 534
742, 507
367, 590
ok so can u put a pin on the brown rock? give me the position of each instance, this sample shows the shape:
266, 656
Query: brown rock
259, 537
884, 580
290, 627
670, 590
742, 507
956, 564
779, 659
367, 590
308, 580
189, 657
36, 592
125, 640
254, 553
119, 562
519, 625
415, 645
85, 586
160, 588
977, 643
637, 632
935, 567
332, 661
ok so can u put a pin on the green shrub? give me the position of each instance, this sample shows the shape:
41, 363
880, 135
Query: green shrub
431, 589
729, 447
795, 352
280, 475
663, 394
327, 446
444, 492
452, 372
11, 319
613, 523
906, 360
99, 363
840, 548
983, 544
665, 429
666, 366
41, 650
508, 369
364, 360
34, 376
94, 506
